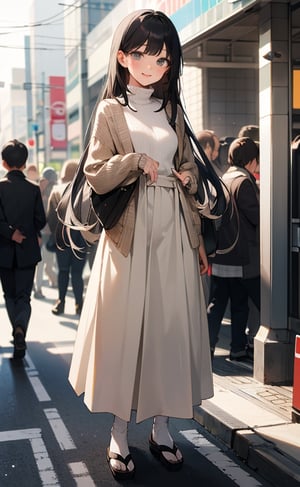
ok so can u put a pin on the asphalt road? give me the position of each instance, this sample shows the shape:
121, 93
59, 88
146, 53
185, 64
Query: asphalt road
49, 438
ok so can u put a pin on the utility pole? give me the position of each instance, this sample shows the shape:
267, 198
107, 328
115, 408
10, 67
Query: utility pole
45, 121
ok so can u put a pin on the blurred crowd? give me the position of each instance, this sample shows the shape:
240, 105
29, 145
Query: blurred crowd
58, 265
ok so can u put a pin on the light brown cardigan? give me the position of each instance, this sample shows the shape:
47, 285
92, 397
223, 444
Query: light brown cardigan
112, 161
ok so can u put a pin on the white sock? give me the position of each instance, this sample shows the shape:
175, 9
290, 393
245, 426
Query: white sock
160, 431
119, 443
161, 436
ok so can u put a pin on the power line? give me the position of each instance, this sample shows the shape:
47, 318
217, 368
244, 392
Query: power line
48, 21
58, 38
43, 48
61, 15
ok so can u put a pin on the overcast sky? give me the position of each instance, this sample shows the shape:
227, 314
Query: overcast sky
14, 14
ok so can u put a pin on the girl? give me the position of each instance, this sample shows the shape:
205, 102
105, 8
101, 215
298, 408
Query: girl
142, 342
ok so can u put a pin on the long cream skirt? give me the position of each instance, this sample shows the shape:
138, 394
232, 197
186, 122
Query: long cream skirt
142, 342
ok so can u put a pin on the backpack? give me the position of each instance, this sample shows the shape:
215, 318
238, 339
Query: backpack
229, 220
229, 223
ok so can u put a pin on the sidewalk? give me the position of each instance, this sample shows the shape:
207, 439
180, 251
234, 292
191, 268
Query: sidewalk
253, 419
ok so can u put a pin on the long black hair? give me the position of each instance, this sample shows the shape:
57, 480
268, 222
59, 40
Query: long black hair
154, 30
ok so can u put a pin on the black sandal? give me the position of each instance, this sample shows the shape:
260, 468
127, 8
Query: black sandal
120, 474
159, 450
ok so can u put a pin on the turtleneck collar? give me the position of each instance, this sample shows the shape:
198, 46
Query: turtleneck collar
139, 95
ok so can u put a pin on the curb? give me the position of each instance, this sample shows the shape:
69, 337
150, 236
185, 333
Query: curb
259, 454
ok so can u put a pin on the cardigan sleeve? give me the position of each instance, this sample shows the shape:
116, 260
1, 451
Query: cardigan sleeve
109, 163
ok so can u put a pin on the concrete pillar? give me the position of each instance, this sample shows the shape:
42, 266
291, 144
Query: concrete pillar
273, 356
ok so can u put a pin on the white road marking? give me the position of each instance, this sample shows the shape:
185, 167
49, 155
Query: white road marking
39, 389
62, 350
33, 378
214, 455
44, 464
5, 355
46, 471
30, 364
59, 429
81, 475
16, 435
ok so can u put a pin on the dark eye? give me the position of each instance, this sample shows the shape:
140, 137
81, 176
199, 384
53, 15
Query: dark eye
163, 62
136, 55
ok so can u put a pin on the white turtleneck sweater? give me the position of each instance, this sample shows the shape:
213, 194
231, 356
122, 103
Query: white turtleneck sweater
150, 131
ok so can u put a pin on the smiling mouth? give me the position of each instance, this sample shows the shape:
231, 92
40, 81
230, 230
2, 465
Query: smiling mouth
147, 75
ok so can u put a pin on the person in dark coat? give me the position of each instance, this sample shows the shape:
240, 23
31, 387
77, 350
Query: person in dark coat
22, 217
236, 274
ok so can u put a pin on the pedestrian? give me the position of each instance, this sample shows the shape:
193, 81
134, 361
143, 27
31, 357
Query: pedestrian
47, 265
142, 343
22, 218
32, 172
211, 145
252, 131
222, 161
236, 274
68, 262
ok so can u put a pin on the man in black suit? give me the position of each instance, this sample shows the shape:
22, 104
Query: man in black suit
22, 217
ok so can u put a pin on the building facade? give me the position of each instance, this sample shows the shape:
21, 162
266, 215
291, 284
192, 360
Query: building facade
15, 109
44, 60
80, 22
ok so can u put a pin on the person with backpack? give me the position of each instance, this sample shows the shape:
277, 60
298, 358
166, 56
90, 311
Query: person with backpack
142, 343
236, 274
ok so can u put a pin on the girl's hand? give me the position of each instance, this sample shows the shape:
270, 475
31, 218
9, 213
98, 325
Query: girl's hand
184, 177
151, 169
203, 258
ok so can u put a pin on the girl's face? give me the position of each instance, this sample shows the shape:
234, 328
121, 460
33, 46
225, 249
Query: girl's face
144, 69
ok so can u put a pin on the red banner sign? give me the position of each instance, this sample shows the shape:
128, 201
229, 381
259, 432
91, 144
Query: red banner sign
57, 98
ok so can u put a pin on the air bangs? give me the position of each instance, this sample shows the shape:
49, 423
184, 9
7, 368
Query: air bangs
151, 34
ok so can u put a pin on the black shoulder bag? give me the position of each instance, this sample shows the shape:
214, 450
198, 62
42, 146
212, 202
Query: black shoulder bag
80, 208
